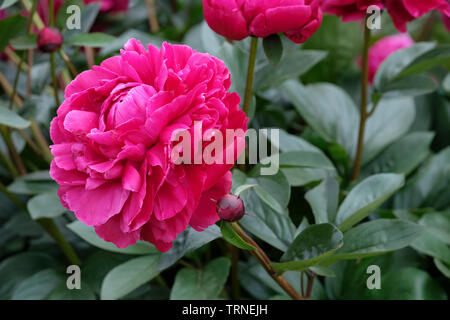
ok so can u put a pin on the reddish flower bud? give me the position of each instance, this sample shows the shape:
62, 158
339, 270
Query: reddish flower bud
49, 39
230, 208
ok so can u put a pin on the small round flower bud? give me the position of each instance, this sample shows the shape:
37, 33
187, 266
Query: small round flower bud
49, 39
230, 208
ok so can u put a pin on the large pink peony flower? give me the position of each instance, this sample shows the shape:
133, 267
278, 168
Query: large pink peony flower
238, 19
113, 143
383, 48
350, 10
404, 11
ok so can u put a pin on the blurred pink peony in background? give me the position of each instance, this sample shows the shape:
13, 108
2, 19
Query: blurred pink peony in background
112, 6
349, 10
238, 19
49, 39
401, 11
383, 48
446, 20
113, 143
404, 11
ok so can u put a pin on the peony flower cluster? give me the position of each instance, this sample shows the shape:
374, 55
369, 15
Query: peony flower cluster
113, 143
239, 19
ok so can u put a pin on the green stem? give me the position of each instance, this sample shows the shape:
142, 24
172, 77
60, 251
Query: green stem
364, 114
235, 287
22, 57
250, 75
54, 78
266, 263
12, 197
51, 13
52, 229
12, 169
40, 139
15, 156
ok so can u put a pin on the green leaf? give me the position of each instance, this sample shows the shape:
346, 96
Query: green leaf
12, 119
312, 245
62, 293
430, 244
186, 242
397, 62
293, 64
203, 284
95, 40
446, 84
343, 42
7, 3
46, 205
438, 223
403, 156
305, 163
323, 200
243, 188
11, 27
437, 56
19, 267
236, 61
25, 42
365, 197
273, 48
88, 234
429, 186
377, 237
271, 226
233, 238
129, 276
329, 111
38, 286
443, 267
392, 119
409, 284
22, 186
415, 85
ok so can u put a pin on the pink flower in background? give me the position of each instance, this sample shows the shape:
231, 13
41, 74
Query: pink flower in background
349, 10
49, 39
446, 20
383, 48
113, 141
404, 11
112, 6
238, 19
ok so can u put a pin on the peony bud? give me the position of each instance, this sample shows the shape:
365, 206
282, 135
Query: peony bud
49, 39
230, 208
